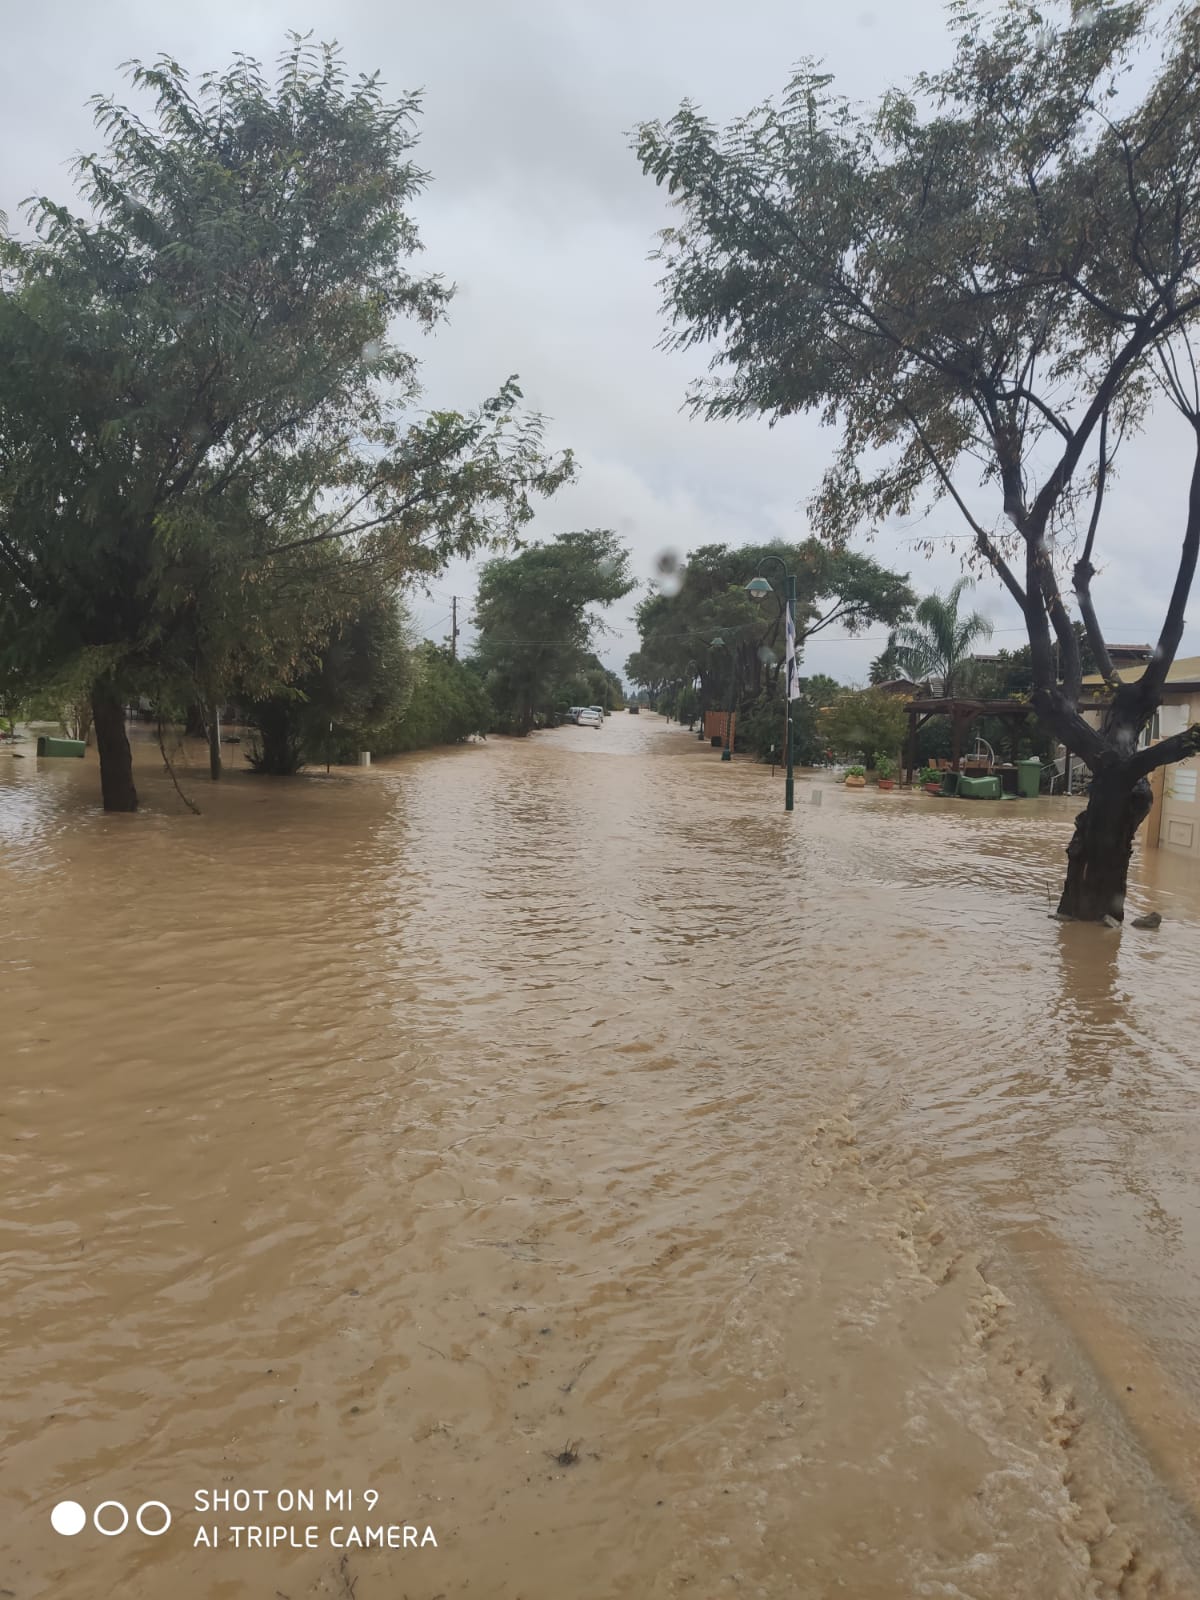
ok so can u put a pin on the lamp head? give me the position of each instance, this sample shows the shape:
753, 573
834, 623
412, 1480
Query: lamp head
758, 588
718, 643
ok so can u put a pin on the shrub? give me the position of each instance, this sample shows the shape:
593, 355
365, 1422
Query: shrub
863, 721
449, 703
760, 725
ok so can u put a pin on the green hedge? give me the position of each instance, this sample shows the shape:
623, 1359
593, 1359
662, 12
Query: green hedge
449, 703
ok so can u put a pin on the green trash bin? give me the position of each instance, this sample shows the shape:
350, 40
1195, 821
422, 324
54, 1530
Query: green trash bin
1029, 778
60, 747
950, 782
979, 788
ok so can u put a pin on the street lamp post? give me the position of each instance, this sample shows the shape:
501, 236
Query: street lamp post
695, 672
719, 644
757, 589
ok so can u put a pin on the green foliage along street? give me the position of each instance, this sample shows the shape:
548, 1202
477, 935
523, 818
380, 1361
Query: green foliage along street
833, 588
358, 685
210, 450
536, 633
865, 722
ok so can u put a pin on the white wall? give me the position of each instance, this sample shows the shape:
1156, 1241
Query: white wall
1173, 717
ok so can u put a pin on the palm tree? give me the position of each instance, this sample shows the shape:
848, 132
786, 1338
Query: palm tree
936, 642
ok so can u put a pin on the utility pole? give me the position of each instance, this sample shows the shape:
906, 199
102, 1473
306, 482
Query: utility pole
756, 589
454, 627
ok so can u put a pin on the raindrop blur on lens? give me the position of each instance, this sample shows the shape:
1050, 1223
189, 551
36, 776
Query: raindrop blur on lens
668, 573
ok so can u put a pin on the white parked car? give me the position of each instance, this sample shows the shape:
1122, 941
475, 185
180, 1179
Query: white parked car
588, 718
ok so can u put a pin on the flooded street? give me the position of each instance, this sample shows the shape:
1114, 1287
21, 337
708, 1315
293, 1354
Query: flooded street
653, 1193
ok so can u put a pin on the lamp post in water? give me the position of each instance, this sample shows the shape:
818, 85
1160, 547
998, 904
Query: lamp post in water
758, 588
694, 669
719, 644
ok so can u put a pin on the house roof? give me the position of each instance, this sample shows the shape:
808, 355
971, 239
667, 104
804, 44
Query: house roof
1184, 670
968, 708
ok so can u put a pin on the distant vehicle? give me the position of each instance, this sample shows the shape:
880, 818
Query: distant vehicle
599, 710
634, 709
573, 713
589, 718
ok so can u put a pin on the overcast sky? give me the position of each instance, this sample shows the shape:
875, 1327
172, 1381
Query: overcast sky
539, 213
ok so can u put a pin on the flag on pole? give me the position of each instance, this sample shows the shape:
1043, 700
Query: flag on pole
793, 665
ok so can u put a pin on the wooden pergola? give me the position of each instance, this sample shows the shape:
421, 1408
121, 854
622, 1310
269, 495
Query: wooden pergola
962, 713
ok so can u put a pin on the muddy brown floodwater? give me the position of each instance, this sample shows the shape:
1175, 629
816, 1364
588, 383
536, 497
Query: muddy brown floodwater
654, 1194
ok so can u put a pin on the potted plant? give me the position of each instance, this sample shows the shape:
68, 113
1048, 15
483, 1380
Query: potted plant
930, 780
886, 768
856, 777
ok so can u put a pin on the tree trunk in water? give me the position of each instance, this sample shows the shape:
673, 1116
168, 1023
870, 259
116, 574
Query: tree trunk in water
282, 748
195, 726
116, 759
1098, 854
214, 744
278, 753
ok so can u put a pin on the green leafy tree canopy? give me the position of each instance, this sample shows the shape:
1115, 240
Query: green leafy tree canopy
536, 630
834, 587
864, 722
200, 390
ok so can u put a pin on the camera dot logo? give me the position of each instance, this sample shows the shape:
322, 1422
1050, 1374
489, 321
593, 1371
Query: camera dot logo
68, 1518
110, 1518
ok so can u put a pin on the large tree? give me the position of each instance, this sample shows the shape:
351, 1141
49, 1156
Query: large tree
536, 625
351, 686
199, 389
984, 282
834, 588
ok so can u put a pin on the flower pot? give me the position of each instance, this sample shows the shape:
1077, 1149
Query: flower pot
933, 788
887, 783
856, 783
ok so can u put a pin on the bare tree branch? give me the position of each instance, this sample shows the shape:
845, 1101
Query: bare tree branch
1178, 747
1084, 570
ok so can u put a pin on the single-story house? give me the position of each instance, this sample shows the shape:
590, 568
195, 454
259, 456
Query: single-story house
907, 689
1180, 691
904, 687
1174, 824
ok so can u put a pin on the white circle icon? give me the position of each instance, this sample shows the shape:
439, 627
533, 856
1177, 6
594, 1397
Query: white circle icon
153, 1533
110, 1533
68, 1517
